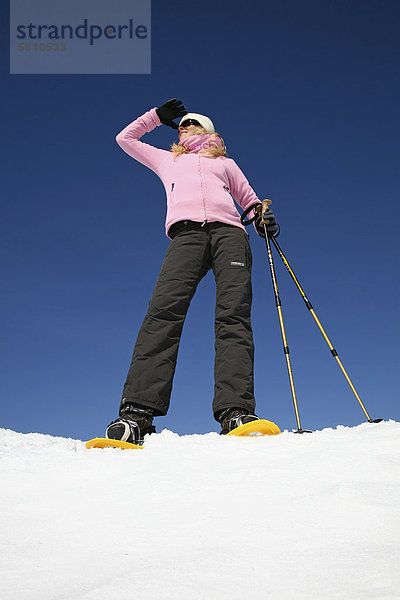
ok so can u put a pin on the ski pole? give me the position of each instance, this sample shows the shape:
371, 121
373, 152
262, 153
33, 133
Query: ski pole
261, 209
322, 330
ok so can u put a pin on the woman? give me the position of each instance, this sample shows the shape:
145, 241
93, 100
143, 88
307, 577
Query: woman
206, 233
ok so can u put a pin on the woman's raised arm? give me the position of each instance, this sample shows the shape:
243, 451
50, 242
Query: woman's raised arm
129, 140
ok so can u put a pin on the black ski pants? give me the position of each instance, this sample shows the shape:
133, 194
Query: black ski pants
193, 251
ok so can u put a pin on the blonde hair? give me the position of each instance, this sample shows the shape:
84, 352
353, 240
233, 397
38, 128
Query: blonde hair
214, 150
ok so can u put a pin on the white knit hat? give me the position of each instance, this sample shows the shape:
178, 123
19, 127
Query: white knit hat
204, 121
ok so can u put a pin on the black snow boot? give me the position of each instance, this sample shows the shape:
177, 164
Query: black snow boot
132, 425
231, 418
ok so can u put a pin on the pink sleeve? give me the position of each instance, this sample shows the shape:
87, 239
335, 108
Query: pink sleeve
242, 191
128, 139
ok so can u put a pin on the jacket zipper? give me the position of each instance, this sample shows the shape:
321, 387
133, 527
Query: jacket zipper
172, 192
202, 192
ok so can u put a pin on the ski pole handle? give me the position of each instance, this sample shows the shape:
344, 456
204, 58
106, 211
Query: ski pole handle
259, 210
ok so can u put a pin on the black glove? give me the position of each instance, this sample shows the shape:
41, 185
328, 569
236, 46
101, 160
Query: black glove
272, 226
171, 110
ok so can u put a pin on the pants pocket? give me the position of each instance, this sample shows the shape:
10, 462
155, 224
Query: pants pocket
249, 257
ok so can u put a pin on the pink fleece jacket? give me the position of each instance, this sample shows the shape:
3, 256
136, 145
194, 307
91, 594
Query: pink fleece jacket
198, 188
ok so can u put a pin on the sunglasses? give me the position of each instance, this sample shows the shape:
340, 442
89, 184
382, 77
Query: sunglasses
189, 122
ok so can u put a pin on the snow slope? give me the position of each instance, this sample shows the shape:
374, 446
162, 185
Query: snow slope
203, 517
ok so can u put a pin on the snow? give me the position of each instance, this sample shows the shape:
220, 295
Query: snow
203, 517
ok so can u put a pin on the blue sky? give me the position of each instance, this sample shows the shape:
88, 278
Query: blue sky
306, 97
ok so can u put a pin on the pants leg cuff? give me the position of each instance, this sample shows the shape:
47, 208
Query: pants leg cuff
142, 403
241, 405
